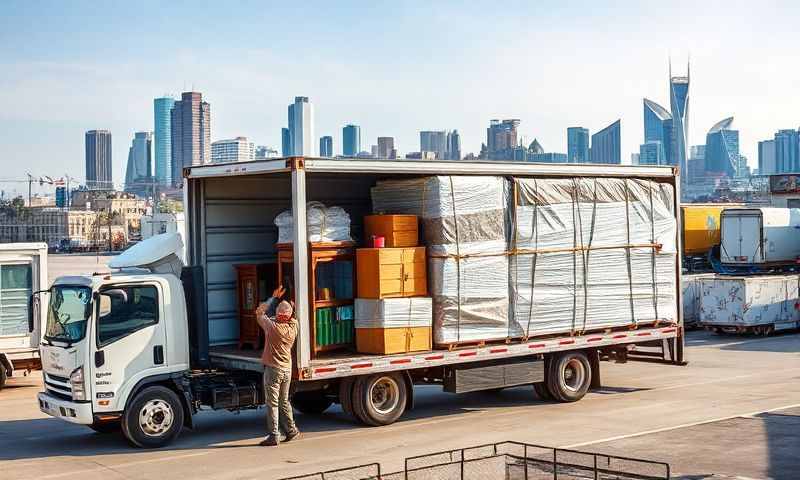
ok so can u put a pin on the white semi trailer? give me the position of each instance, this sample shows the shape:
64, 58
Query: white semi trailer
144, 350
23, 270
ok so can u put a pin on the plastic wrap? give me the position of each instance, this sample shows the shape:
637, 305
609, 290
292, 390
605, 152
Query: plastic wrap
592, 253
690, 288
466, 229
323, 224
393, 312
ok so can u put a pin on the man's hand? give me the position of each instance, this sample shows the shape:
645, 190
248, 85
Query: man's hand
261, 309
279, 292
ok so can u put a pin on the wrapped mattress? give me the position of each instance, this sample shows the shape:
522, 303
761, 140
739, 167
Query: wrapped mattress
393, 312
323, 224
584, 255
465, 227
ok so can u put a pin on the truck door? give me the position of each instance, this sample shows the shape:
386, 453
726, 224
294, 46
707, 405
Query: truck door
741, 240
129, 342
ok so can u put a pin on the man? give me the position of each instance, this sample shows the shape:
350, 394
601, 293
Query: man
280, 330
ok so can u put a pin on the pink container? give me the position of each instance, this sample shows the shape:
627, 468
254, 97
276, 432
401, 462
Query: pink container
378, 241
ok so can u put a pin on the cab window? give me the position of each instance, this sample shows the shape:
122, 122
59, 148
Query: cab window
124, 310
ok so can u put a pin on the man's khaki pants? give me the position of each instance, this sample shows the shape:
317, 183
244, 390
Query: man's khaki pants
276, 391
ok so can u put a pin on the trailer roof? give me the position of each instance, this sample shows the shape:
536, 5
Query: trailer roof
426, 167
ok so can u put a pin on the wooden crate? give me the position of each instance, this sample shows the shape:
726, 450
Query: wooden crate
383, 341
391, 272
398, 230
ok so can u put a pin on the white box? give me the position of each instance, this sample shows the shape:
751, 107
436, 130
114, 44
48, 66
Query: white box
393, 312
756, 236
690, 288
750, 300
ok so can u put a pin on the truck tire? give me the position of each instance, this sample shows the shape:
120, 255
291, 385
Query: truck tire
3, 375
379, 399
542, 392
153, 418
346, 395
109, 426
569, 376
311, 402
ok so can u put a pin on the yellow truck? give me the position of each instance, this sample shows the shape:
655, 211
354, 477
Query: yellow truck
701, 227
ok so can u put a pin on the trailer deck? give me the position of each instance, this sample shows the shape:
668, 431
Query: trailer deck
348, 364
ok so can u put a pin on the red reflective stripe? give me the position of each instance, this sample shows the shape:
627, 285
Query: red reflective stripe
566, 342
325, 370
643, 334
467, 354
594, 339
536, 345
498, 350
624, 335
361, 365
402, 360
668, 330
435, 357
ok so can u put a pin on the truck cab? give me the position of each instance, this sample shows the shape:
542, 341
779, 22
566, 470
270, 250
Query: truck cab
115, 351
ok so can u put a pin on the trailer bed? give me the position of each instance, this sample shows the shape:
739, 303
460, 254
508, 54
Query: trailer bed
349, 364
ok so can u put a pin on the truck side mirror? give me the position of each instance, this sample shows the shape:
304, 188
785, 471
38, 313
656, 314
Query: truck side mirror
34, 303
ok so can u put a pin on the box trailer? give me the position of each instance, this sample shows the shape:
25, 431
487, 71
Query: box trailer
760, 237
23, 270
230, 209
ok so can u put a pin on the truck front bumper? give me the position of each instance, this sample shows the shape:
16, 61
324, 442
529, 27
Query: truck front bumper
73, 412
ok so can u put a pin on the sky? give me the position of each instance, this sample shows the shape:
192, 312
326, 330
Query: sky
394, 68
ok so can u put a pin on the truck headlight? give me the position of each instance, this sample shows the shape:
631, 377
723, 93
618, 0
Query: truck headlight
78, 385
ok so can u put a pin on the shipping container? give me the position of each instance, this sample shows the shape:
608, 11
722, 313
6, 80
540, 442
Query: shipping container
760, 237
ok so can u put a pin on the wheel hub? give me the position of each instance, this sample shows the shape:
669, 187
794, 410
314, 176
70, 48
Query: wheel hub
574, 375
156, 417
385, 395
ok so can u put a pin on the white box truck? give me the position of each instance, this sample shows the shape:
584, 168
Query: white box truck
145, 351
23, 270
760, 237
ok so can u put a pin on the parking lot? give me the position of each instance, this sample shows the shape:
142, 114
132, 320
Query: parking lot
733, 411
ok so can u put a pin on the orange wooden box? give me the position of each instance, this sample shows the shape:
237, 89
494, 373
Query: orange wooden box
383, 341
398, 230
391, 272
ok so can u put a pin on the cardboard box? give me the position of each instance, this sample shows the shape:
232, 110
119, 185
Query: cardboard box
398, 230
383, 341
391, 272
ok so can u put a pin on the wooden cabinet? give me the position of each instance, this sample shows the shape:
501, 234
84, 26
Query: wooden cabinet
331, 288
254, 284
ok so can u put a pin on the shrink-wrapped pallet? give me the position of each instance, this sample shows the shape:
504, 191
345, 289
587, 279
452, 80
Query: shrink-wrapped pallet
592, 253
393, 325
748, 301
323, 224
690, 296
465, 227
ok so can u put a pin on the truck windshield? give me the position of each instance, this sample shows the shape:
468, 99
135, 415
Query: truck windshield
68, 313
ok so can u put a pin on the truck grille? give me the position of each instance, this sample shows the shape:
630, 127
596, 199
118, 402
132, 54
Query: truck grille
58, 387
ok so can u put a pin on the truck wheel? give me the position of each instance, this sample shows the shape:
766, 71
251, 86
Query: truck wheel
154, 418
379, 399
346, 395
109, 426
3, 375
312, 402
542, 392
568, 376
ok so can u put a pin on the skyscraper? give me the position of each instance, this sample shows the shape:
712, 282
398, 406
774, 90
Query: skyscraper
696, 164
577, 145
766, 158
286, 142
454, 145
140, 157
679, 104
651, 153
433, 141
191, 133
501, 139
351, 140
162, 139
657, 128
98, 160
385, 147
326, 146
606, 145
787, 151
234, 150
301, 128
722, 149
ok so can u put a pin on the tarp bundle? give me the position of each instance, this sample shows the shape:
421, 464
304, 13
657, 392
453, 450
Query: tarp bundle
465, 226
323, 224
525, 257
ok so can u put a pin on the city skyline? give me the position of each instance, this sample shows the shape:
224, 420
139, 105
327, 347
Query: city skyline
79, 82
